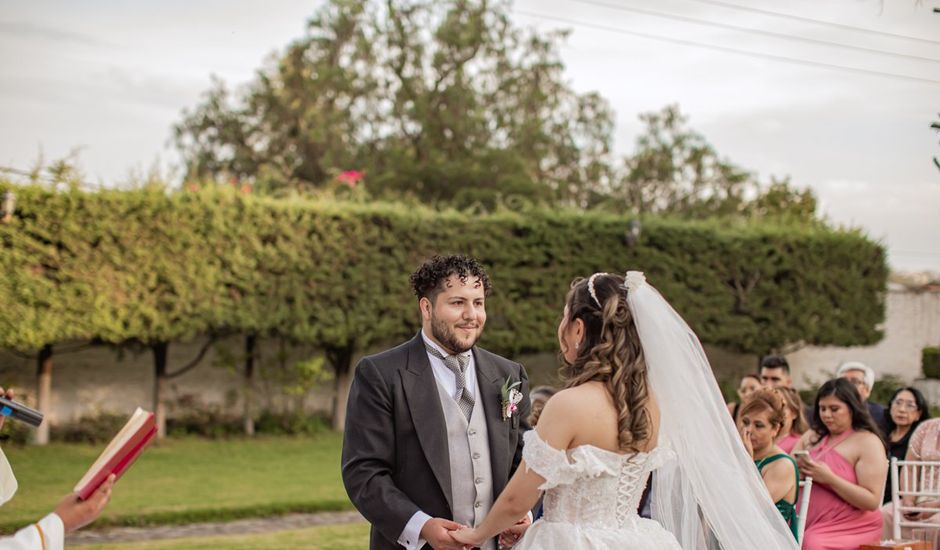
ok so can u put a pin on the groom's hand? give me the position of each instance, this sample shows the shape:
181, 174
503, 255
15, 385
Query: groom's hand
437, 532
511, 536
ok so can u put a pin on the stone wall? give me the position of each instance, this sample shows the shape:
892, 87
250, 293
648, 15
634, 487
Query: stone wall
102, 379
912, 322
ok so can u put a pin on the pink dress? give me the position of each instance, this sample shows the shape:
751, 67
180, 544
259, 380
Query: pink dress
787, 443
832, 523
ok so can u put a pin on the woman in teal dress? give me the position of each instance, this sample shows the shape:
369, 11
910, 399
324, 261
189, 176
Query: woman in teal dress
760, 420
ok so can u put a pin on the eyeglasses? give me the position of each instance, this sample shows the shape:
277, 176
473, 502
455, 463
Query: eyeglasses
904, 405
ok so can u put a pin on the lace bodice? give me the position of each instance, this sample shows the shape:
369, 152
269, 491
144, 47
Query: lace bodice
590, 485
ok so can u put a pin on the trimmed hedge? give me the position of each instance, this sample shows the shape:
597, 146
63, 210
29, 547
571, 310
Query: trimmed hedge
150, 266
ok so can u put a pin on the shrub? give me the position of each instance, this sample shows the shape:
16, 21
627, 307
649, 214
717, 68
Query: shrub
97, 428
930, 361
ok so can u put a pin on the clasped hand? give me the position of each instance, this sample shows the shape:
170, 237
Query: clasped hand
446, 534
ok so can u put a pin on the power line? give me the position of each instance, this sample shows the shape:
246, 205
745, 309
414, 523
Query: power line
761, 32
725, 49
814, 21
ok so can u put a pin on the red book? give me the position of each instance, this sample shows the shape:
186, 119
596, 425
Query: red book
120, 453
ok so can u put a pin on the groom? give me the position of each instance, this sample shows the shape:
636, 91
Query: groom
427, 447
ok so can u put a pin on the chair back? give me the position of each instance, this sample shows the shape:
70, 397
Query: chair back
919, 479
806, 487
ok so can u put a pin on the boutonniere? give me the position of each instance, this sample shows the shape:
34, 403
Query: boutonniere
511, 398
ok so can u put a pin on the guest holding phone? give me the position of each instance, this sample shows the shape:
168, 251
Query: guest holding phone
846, 460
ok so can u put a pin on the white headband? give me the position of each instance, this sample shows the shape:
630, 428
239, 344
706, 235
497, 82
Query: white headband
591, 289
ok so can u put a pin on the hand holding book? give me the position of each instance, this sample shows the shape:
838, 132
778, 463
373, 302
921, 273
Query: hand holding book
76, 513
120, 453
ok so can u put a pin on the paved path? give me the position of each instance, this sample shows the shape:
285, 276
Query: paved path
237, 527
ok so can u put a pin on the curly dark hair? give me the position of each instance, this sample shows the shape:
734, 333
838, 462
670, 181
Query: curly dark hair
428, 280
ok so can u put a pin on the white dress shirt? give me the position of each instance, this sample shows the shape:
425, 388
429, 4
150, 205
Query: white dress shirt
410, 537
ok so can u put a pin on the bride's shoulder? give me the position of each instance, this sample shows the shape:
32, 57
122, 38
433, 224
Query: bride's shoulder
589, 393
585, 400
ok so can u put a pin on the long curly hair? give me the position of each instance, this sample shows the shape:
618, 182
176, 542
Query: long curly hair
610, 353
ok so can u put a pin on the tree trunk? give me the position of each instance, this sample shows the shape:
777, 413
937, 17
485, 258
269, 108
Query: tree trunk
43, 393
159, 386
342, 368
248, 388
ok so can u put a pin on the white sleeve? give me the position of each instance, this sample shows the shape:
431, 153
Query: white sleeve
48, 533
410, 537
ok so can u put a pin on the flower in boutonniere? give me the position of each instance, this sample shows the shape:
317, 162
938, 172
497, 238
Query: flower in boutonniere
511, 398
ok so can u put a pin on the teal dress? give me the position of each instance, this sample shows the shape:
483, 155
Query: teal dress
787, 509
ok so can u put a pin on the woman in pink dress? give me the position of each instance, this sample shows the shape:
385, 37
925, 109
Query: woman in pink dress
794, 425
846, 459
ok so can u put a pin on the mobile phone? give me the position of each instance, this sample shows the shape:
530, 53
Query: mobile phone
798, 454
19, 411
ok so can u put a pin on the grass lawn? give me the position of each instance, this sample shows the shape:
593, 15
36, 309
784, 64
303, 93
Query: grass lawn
330, 537
188, 480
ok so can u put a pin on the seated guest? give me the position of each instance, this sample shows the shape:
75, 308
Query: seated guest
924, 445
794, 425
749, 383
775, 371
863, 377
846, 459
906, 410
538, 396
762, 420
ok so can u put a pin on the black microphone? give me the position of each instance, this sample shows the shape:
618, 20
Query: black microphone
19, 411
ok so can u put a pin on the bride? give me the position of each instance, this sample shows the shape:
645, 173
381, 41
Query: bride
639, 397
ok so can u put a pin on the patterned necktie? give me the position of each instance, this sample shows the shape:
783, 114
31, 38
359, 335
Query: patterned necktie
458, 365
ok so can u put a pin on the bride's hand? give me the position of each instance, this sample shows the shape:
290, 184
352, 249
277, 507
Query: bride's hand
467, 536
511, 536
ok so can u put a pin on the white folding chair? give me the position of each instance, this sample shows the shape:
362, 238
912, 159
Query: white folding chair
806, 487
917, 479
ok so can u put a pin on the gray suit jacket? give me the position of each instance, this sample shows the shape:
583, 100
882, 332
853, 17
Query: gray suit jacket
395, 454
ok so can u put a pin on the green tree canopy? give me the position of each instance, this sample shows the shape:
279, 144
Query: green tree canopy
435, 99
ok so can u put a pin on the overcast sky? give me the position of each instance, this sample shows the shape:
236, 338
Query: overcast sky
112, 77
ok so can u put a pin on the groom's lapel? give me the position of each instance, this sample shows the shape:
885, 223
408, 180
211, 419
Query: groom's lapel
490, 379
424, 402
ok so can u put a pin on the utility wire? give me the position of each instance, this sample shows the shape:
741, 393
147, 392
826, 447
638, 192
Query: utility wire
729, 5
761, 32
773, 57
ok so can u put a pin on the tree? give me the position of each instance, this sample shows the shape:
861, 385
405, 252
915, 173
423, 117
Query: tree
442, 100
674, 170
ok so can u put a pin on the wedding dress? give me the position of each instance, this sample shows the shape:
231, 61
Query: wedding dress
591, 498
707, 494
